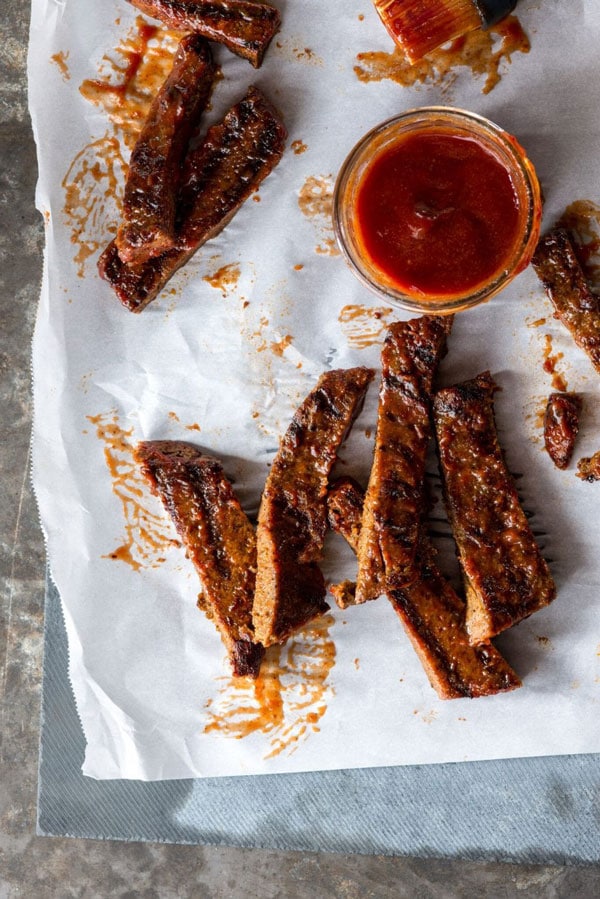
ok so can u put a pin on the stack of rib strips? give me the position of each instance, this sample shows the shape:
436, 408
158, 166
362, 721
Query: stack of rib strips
261, 586
181, 190
505, 577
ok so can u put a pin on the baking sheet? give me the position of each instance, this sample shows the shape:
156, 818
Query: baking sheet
224, 357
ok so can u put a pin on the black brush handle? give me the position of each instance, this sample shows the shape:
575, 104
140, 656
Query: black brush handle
492, 11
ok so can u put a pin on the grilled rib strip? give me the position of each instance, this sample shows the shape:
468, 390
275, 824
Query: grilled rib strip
228, 166
394, 499
506, 578
432, 614
218, 538
151, 188
244, 27
292, 519
561, 426
576, 306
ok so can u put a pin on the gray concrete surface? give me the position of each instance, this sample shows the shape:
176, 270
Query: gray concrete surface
36, 867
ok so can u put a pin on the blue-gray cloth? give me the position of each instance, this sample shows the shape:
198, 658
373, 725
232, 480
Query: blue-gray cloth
544, 810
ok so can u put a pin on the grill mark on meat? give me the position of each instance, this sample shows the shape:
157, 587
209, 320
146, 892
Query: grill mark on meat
557, 267
561, 425
395, 497
218, 538
151, 188
432, 614
292, 519
244, 27
506, 578
219, 175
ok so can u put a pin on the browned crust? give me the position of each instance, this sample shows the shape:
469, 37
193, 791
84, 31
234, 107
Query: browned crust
244, 27
506, 578
395, 497
575, 305
151, 188
292, 519
561, 425
219, 175
588, 468
432, 614
218, 538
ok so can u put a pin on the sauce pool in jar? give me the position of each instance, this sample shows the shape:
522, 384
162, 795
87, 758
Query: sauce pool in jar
437, 213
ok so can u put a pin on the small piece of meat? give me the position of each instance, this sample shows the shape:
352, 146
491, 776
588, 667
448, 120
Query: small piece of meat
292, 519
228, 166
575, 305
588, 468
432, 615
561, 424
151, 188
218, 538
395, 497
506, 578
244, 27
345, 500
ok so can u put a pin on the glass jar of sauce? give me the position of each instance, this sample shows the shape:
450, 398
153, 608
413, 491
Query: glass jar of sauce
437, 209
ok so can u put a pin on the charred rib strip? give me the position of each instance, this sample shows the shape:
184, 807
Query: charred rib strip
229, 165
576, 306
152, 182
217, 536
292, 520
506, 578
561, 424
244, 27
432, 614
395, 499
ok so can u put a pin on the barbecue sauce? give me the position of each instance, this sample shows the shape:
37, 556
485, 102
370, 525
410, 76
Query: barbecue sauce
437, 214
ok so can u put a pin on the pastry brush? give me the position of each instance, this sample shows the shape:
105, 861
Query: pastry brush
420, 26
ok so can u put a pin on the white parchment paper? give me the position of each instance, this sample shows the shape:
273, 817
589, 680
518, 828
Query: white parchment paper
224, 357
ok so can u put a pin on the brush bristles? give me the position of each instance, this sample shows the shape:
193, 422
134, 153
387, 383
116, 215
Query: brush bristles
419, 26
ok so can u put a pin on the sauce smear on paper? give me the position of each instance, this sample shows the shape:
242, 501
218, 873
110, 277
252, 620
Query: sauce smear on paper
483, 52
289, 697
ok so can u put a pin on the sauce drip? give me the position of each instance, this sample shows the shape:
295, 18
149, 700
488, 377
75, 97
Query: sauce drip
437, 214
582, 221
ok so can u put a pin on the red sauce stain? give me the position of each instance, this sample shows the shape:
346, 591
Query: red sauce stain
287, 700
148, 536
559, 382
298, 267
483, 52
315, 200
60, 59
363, 326
224, 278
582, 220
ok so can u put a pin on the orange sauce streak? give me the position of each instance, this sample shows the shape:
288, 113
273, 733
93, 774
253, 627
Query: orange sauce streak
315, 200
559, 382
537, 323
582, 220
91, 185
363, 326
477, 50
289, 697
131, 77
60, 59
225, 278
147, 535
